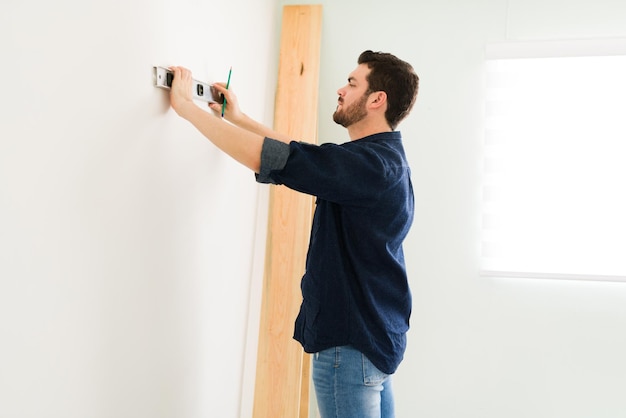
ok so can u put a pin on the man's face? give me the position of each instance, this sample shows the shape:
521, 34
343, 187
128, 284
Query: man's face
353, 98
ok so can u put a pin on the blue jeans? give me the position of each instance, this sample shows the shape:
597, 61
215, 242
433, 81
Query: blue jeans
348, 385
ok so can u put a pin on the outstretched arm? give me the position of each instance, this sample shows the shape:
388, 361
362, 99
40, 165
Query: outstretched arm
242, 144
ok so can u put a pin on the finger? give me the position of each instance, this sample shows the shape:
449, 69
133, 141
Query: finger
177, 75
221, 87
180, 73
183, 73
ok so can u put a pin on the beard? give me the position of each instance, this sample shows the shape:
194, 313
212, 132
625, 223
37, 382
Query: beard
352, 114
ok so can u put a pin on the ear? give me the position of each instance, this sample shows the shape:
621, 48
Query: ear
378, 99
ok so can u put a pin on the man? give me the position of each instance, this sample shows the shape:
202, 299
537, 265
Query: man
357, 302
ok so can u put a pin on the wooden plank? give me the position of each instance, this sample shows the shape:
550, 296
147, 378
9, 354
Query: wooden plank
282, 379
305, 388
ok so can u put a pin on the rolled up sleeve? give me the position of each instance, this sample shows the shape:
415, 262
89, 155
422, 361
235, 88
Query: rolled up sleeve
274, 155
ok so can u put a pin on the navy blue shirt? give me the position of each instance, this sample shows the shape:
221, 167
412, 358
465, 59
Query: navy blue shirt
355, 290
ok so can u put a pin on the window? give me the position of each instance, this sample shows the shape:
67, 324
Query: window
554, 180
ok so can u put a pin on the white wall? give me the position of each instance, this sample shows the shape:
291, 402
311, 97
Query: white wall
479, 348
128, 243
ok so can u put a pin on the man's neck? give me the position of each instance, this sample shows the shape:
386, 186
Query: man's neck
367, 127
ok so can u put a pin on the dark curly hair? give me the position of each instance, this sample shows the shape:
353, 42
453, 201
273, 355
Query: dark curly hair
396, 78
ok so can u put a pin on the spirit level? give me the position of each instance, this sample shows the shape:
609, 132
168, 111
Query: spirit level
201, 91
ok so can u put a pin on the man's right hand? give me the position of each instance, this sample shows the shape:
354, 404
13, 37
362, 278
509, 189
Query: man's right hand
180, 92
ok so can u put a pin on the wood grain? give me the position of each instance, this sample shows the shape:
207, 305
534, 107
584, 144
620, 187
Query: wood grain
283, 369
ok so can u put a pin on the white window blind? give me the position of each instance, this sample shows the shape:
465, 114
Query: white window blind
554, 191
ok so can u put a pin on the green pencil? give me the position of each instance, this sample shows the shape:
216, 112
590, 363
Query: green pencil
227, 84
